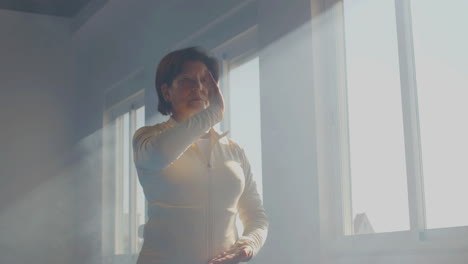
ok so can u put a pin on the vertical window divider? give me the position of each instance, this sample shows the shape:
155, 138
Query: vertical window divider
118, 186
330, 89
133, 187
410, 118
343, 179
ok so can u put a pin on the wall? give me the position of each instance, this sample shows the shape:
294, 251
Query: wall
36, 216
288, 132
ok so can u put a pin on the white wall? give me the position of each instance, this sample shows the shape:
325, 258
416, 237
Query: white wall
36, 99
288, 133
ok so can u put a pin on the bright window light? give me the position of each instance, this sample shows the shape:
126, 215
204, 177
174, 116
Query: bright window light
130, 206
244, 92
376, 137
441, 57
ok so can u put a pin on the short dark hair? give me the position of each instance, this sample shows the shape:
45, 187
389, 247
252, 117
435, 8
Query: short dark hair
171, 66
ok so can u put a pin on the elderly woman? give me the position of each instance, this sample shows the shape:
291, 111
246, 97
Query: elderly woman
195, 179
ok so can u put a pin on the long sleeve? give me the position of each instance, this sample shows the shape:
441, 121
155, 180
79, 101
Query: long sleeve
156, 149
252, 213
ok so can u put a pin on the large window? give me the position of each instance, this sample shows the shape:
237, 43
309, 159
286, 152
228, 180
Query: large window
123, 196
441, 61
244, 108
240, 85
376, 139
406, 78
130, 207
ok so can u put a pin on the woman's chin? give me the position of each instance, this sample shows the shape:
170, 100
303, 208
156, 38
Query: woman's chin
197, 105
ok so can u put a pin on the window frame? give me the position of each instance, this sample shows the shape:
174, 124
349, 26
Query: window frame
110, 200
231, 54
334, 173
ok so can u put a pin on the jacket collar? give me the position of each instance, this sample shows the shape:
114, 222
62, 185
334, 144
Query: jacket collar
214, 133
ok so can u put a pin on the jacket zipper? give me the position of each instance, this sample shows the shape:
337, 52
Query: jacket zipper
206, 160
209, 235
209, 215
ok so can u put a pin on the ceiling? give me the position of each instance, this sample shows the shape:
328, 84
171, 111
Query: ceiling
63, 8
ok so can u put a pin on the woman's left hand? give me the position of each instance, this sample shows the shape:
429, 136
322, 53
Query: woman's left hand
233, 256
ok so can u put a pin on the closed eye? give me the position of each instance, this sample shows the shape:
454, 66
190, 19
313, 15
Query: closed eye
188, 81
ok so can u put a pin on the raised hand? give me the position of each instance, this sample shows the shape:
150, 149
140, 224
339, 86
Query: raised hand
233, 256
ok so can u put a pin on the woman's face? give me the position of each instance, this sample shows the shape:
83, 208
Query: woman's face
188, 93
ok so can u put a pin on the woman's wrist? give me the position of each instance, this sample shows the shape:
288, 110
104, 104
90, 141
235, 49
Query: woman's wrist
246, 252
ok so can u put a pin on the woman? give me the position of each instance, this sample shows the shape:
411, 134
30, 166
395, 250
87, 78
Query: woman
196, 180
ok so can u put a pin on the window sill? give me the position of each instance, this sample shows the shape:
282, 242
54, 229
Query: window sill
443, 240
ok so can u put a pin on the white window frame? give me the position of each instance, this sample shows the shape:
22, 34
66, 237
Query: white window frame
111, 183
234, 52
334, 174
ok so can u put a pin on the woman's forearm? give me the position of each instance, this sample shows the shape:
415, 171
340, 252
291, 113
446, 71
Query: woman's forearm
156, 150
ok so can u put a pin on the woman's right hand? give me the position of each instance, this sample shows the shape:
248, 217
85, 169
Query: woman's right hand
216, 98
234, 255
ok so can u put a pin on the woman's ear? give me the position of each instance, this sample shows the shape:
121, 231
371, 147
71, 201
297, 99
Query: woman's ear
165, 92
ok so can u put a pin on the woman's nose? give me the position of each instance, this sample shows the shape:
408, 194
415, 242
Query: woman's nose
198, 85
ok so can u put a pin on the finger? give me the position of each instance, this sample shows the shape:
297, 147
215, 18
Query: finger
232, 255
210, 76
223, 255
225, 259
216, 259
210, 83
230, 258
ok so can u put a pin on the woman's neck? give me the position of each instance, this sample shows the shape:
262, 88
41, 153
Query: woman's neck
179, 117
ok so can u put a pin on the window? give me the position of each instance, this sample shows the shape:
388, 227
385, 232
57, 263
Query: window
130, 207
405, 118
122, 190
240, 85
244, 107
376, 139
441, 63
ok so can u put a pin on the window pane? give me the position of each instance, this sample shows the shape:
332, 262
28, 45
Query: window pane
122, 228
244, 91
125, 164
376, 138
440, 46
244, 103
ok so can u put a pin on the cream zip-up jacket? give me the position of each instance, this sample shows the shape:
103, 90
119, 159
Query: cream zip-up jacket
193, 199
